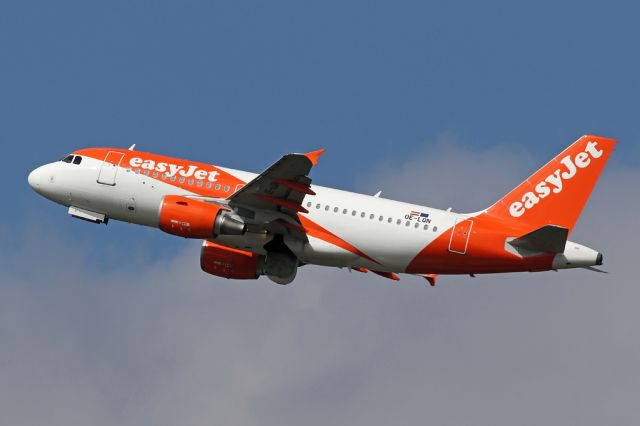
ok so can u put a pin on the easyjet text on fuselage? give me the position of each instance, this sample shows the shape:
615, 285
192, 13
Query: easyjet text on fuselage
174, 170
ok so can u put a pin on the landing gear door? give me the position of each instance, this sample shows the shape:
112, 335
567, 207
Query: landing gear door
109, 168
460, 236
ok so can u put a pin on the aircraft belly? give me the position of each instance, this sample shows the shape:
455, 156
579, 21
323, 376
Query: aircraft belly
319, 252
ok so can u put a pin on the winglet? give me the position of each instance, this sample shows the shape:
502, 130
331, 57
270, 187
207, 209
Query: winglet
314, 155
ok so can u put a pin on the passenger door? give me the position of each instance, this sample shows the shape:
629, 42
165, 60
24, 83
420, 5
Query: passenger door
109, 168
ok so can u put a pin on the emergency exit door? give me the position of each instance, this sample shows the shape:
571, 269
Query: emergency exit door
460, 236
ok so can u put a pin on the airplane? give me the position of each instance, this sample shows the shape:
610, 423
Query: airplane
276, 221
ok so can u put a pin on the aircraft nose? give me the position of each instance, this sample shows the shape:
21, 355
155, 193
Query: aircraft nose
35, 179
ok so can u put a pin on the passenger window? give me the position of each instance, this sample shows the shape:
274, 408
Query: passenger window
146, 172
164, 176
335, 210
317, 206
182, 180
227, 188
155, 174
426, 227
344, 211
138, 171
407, 224
218, 186
389, 220
67, 159
435, 228
199, 183
353, 213
362, 214
190, 182
371, 216
309, 204
173, 178
417, 225
326, 208
77, 160
209, 185
380, 218
398, 222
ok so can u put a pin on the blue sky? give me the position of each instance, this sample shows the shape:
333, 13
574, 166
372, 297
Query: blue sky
240, 83
386, 87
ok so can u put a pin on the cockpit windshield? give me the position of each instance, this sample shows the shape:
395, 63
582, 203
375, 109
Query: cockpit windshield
75, 159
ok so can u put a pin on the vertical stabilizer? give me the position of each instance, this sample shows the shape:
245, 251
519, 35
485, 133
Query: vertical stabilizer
556, 194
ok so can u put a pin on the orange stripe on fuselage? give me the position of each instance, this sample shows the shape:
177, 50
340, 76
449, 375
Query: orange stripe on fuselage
314, 230
485, 251
158, 165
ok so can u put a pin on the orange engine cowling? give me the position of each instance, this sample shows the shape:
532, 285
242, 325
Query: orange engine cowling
230, 263
190, 218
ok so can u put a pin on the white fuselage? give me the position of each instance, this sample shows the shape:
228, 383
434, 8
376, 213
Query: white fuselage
361, 230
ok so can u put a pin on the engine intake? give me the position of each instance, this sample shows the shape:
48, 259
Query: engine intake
190, 218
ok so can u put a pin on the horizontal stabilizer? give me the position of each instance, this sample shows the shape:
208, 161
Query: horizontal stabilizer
548, 239
591, 268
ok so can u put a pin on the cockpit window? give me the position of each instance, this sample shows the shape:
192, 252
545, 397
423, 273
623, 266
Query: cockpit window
68, 159
77, 160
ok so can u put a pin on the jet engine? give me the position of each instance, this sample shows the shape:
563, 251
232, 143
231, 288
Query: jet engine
190, 218
227, 262
230, 263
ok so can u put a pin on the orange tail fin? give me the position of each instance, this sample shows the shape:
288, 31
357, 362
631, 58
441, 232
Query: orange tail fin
556, 194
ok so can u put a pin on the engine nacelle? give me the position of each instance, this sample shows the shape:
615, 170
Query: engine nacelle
190, 218
230, 263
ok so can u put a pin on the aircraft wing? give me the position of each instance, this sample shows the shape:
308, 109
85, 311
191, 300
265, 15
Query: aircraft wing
279, 189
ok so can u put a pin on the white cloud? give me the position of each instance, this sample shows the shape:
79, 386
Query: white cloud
445, 173
163, 343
